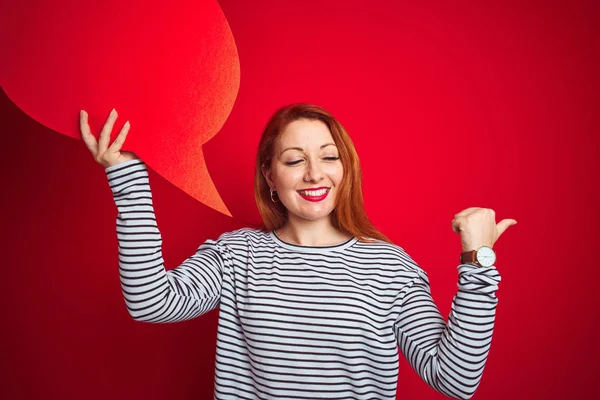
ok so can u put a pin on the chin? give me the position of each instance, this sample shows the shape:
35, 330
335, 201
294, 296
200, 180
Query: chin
315, 216
310, 213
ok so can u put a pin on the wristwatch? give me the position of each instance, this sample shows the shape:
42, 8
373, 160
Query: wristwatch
484, 256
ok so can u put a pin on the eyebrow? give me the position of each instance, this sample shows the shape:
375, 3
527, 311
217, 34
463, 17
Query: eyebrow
301, 149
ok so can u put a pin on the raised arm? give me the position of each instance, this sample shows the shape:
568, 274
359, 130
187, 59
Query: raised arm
151, 293
449, 357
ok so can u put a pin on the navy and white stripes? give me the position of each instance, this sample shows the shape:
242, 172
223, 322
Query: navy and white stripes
301, 322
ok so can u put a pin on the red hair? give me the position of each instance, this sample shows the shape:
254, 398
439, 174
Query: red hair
349, 214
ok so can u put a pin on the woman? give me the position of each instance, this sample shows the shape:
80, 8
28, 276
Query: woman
316, 303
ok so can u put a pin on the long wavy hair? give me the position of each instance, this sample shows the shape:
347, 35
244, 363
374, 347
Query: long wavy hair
349, 214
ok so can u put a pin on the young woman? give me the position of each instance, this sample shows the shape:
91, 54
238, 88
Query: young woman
317, 302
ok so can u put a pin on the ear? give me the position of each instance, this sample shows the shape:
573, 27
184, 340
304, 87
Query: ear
267, 174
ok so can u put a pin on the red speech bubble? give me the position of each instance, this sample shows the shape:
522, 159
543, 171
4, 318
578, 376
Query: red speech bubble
171, 69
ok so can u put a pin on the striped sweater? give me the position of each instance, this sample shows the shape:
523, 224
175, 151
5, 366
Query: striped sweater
305, 322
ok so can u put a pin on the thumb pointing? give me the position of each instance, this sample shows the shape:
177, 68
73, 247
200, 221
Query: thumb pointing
504, 224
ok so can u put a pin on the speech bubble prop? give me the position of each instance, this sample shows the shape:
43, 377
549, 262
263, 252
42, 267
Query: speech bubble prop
170, 68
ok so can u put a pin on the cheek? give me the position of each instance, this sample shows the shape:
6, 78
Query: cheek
336, 174
287, 178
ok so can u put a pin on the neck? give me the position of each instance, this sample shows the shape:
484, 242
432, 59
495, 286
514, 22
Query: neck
311, 233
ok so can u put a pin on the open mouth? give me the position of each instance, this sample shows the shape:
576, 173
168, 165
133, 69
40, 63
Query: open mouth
314, 195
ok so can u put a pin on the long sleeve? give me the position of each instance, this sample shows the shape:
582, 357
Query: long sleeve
449, 357
151, 293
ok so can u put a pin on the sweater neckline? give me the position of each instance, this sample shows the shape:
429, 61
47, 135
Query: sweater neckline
311, 249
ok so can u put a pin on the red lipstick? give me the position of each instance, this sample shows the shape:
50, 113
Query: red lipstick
315, 198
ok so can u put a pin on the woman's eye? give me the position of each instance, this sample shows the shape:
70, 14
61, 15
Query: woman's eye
298, 161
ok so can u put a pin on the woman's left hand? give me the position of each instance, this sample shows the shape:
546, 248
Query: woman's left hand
477, 227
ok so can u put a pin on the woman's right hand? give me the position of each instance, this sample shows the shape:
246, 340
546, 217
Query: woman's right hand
103, 154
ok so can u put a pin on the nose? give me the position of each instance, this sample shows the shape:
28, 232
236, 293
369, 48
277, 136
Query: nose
313, 172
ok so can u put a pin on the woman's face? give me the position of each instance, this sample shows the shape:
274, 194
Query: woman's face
306, 158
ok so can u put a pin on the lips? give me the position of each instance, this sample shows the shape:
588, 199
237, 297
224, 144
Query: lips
315, 198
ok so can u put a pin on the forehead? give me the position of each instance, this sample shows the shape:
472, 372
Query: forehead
304, 133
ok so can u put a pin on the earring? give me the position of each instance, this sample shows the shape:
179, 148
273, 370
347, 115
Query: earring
273, 200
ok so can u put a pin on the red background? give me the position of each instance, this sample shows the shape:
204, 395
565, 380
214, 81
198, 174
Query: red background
450, 106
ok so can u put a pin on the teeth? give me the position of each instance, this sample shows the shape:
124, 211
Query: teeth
313, 192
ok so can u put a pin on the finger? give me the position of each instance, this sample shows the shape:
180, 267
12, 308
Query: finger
504, 224
456, 225
120, 139
106, 130
86, 133
467, 211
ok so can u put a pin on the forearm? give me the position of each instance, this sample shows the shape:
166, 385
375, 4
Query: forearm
451, 357
151, 293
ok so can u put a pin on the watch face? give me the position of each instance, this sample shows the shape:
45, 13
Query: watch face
486, 257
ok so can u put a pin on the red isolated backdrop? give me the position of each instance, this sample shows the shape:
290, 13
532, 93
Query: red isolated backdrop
450, 106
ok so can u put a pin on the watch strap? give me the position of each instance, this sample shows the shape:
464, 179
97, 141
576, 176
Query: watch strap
469, 257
